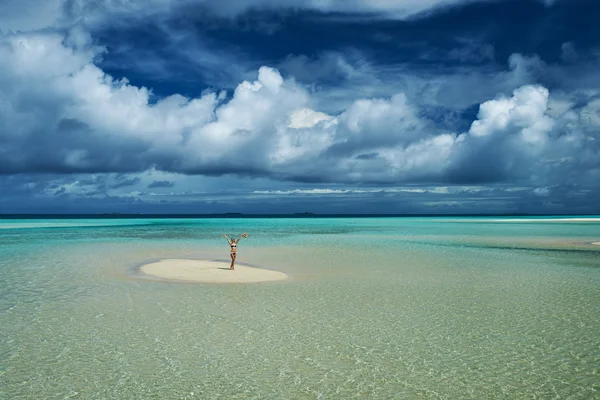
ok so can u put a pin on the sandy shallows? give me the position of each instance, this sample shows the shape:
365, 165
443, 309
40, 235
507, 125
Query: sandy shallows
596, 243
210, 272
542, 220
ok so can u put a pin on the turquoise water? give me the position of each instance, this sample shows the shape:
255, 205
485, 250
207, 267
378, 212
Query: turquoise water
456, 308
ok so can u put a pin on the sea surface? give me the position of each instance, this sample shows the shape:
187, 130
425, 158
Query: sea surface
375, 308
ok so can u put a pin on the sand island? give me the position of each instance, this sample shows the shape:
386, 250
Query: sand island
205, 271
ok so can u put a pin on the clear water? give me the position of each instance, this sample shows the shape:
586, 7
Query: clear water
424, 308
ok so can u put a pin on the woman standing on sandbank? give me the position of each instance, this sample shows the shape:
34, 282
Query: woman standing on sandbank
233, 244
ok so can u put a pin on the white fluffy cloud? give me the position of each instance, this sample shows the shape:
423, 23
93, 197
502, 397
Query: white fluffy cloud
61, 113
524, 112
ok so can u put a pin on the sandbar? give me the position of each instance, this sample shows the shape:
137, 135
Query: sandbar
545, 220
596, 243
205, 271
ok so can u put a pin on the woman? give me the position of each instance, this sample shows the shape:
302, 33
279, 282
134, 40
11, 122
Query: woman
233, 244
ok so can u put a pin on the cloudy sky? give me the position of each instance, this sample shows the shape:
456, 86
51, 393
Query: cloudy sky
284, 106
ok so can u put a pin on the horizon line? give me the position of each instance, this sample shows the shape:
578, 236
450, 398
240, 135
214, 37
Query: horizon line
263, 215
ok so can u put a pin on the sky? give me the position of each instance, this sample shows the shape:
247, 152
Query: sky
291, 106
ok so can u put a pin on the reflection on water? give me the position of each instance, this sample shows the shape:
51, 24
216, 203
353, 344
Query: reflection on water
376, 308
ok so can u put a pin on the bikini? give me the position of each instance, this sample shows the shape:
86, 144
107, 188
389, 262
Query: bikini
233, 248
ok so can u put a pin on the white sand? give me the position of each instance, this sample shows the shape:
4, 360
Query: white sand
545, 220
210, 272
596, 243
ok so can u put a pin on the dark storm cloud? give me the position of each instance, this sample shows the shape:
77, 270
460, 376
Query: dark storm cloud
125, 182
41, 194
161, 184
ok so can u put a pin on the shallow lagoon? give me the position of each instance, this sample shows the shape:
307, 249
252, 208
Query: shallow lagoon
375, 308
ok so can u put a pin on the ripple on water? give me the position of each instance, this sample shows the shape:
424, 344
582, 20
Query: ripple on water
370, 320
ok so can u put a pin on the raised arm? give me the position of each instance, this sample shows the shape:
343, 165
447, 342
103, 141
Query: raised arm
228, 241
244, 235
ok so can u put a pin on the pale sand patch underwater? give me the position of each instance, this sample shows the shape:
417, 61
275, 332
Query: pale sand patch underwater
543, 220
204, 271
596, 243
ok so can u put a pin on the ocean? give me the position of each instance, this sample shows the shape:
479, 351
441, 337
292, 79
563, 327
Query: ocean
375, 307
